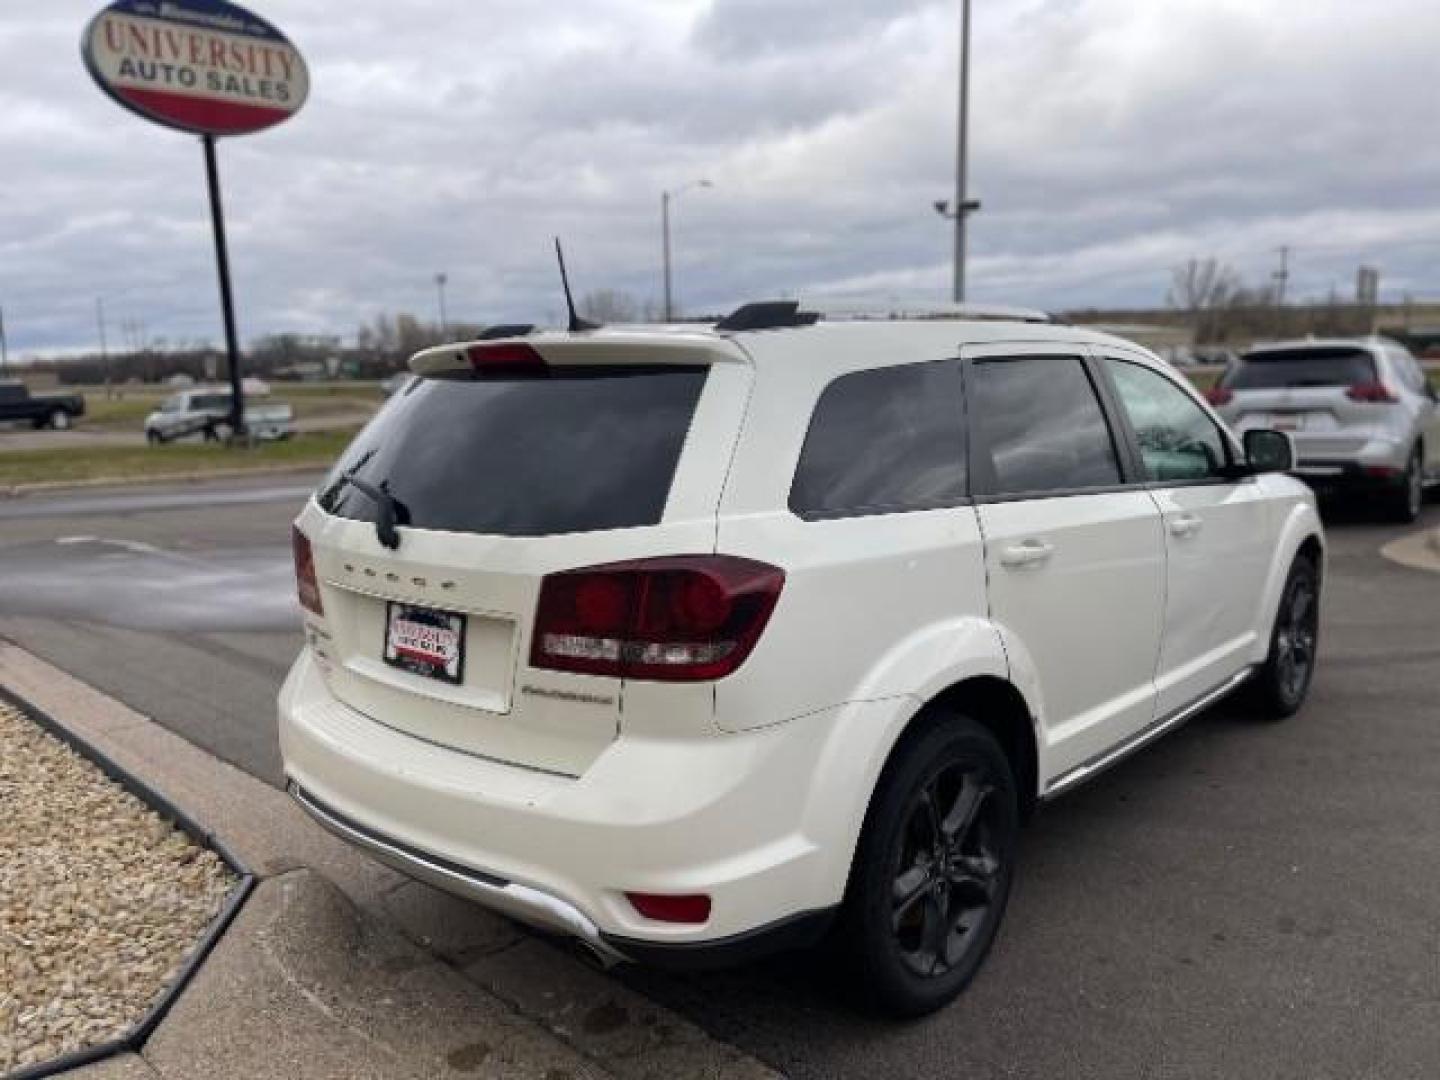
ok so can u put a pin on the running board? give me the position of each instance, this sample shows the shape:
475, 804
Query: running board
1065, 781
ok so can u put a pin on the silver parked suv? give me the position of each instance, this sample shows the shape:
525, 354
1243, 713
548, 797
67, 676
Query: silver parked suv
1361, 412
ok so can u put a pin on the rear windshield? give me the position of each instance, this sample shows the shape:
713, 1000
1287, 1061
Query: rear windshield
577, 449
1296, 368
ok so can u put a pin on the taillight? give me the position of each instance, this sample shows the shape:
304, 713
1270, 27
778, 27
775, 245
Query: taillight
1376, 393
1218, 396
694, 908
307, 585
504, 356
684, 618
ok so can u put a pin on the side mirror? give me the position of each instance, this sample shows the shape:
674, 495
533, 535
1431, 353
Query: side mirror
1269, 451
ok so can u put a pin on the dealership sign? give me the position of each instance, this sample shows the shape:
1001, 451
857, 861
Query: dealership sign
204, 66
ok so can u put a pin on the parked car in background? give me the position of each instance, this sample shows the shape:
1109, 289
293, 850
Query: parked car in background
694, 644
56, 411
205, 412
1363, 415
270, 421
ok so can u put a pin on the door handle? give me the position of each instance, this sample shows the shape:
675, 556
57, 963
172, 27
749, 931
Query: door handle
1026, 554
1183, 525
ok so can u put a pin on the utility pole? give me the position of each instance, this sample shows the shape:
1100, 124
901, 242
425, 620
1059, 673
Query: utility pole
440, 280
962, 154
665, 251
4, 348
1282, 276
1282, 280
104, 349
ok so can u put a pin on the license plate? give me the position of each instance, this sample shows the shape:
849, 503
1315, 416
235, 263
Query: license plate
425, 642
1288, 421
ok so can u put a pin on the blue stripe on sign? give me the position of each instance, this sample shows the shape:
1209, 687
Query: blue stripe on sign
203, 15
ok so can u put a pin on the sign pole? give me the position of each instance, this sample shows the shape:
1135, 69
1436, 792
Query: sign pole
227, 304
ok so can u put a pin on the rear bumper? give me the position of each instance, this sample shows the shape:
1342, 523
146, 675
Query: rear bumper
747, 819
525, 904
1339, 477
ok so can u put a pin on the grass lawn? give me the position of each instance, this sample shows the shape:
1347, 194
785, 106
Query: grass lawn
106, 463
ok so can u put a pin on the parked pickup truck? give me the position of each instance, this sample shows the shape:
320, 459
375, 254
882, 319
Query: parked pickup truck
206, 411
43, 410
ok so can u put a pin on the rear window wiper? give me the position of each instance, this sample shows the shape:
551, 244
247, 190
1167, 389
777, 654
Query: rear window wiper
390, 511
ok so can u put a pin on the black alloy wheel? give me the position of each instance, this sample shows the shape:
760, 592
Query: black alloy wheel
1285, 678
933, 870
947, 872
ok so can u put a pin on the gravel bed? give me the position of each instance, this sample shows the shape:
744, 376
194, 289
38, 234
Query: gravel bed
101, 899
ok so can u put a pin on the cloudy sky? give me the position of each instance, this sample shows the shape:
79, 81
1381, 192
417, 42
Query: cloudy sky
1111, 140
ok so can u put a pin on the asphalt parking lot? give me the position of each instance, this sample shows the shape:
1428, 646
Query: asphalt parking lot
1241, 900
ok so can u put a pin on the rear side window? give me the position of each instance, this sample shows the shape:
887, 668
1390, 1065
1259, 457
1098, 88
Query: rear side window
577, 449
883, 441
1042, 426
1293, 369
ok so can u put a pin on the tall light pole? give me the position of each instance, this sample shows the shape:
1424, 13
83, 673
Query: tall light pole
5, 349
962, 154
440, 280
665, 199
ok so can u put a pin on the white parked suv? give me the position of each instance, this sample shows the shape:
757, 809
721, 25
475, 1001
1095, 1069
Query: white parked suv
1363, 415
697, 643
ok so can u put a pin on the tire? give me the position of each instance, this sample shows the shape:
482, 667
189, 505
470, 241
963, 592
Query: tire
153, 437
1280, 686
1406, 502
911, 954
59, 420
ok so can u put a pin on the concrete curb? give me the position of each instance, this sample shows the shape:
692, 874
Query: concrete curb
19, 491
340, 966
1418, 551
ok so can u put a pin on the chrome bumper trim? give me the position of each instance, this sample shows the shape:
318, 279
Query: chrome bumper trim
521, 902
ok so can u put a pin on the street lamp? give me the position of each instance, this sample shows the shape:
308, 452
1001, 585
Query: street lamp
665, 198
964, 205
440, 280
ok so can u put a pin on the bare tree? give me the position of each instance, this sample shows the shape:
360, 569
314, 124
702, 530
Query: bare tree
610, 306
1206, 290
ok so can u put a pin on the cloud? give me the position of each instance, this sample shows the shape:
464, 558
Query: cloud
1111, 140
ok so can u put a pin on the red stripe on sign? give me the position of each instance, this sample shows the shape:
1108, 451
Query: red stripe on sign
203, 114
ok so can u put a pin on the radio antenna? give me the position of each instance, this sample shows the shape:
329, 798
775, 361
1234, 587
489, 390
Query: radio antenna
576, 322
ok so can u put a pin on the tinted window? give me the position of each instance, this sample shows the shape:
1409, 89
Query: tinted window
575, 450
210, 402
1178, 441
1041, 422
884, 440
1293, 368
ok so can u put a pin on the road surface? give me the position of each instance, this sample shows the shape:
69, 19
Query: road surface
1240, 900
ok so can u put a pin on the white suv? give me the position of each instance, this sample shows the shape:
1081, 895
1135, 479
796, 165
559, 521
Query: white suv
697, 643
1363, 414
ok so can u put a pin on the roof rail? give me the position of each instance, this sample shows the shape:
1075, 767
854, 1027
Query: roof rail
921, 310
779, 314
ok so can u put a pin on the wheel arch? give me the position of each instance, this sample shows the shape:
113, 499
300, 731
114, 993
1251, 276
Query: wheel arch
1301, 534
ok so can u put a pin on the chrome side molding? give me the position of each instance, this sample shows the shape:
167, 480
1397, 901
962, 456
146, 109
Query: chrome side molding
1065, 781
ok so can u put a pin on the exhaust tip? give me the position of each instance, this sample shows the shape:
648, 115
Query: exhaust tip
592, 955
